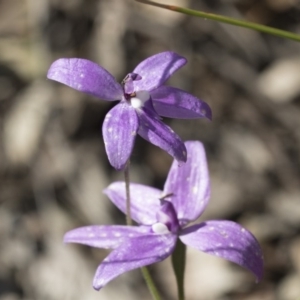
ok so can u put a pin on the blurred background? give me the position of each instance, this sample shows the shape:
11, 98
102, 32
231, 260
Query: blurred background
53, 167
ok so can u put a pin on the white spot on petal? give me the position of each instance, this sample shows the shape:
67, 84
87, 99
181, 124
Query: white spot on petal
160, 228
140, 99
82, 75
117, 234
195, 190
110, 129
136, 103
224, 233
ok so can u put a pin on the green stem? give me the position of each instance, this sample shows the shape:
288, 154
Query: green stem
228, 20
178, 262
150, 283
146, 274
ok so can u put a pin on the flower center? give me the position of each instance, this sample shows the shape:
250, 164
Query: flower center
166, 219
128, 85
136, 99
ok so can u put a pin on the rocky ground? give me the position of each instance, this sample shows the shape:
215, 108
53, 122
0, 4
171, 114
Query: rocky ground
53, 166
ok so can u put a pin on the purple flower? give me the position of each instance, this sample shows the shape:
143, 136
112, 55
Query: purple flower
163, 217
143, 98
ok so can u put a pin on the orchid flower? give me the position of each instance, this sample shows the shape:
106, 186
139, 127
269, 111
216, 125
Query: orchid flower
162, 219
143, 98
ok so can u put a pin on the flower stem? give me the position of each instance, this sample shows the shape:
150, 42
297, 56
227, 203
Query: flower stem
178, 262
228, 20
150, 283
127, 181
146, 274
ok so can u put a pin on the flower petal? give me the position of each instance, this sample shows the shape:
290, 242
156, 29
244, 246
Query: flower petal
135, 253
87, 77
228, 240
119, 131
156, 69
189, 184
161, 135
175, 103
109, 237
144, 204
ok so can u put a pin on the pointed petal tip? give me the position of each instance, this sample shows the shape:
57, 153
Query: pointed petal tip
105, 191
69, 236
183, 159
181, 155
169, 56
113, 185
66, 238
199, 149
97, 284
259, 271
259, 277
207, 112
159, 134
118, 166
51, 71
